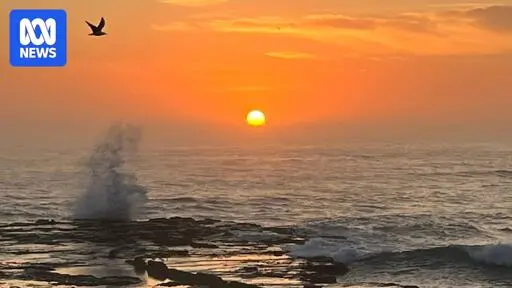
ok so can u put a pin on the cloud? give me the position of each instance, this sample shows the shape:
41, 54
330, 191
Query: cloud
193, 3
290, 55
260, 24
449, 31
414, 23
340, 21
408, 22
497, 18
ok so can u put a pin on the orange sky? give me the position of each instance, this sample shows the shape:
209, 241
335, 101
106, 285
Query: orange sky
205, 63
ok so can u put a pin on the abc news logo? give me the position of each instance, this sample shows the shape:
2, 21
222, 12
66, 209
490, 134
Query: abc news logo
28, 36
38, 38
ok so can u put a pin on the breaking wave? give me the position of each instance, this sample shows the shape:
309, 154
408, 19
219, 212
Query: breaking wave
491, 254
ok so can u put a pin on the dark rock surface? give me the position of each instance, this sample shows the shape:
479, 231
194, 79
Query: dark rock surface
157, 270
77, 280
323, 270
186, 278
136, 243
139, 264
145, 247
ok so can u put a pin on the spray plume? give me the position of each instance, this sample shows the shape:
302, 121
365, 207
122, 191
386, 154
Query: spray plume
112, 194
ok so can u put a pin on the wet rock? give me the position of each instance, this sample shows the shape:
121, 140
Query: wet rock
169, 239
392, 285
178, 253
284, 240
44, 241
331, 269
138, 263
168, 254
168, 284
179, 276
4, 275
203, 245
321, 259
282, 230
323, 272
41, 266
157, 270
206, 279
160, 239
208, 221
114, 252
319, 278
278, 253
234, 284
38, 268
156, 220
119, 280
169, 232
248, 269
160, 270
78, 280
266, 274
45, 222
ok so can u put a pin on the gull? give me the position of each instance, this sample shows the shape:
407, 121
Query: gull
96, 30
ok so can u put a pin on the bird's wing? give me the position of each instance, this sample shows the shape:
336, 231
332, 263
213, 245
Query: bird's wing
102, 23
92, 26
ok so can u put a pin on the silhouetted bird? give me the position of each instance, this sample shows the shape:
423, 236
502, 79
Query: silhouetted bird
96, 30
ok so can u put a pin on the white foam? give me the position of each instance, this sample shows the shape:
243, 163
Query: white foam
318, 247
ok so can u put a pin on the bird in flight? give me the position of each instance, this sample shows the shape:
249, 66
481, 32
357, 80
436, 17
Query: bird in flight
96, 30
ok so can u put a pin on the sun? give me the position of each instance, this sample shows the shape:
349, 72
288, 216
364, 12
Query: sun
255, 118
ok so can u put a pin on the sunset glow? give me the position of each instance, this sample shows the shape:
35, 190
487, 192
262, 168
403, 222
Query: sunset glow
199, 65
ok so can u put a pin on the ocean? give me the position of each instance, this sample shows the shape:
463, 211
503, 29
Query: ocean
424, 215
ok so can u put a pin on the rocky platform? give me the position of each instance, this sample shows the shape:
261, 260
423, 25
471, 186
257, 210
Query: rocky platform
180, 252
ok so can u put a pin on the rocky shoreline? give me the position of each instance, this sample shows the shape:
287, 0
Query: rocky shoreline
168, 251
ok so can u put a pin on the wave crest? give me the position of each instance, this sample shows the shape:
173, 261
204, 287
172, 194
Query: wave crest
491, 254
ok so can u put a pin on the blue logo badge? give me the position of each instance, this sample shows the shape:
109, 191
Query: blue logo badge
37, 38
